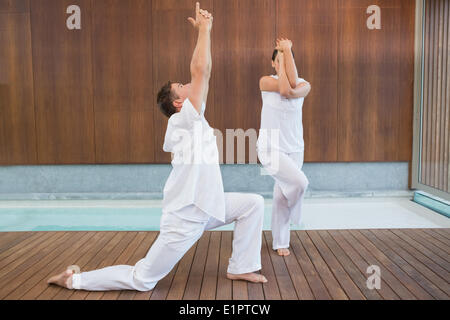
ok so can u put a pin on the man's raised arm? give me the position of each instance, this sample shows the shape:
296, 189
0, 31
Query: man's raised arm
299, 91
201, 59
285, 45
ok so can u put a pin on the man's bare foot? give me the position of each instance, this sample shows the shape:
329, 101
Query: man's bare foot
251, 277
64, 279
283, 252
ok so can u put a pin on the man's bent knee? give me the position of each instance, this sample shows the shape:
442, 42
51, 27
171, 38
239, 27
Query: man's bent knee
301, 184
139, 282
258, 201
259, 204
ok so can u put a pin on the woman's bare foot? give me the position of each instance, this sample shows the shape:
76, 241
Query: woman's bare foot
251, 277
64, 279
283, 252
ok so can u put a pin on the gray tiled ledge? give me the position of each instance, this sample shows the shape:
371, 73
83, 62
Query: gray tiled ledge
158, 196
147, 181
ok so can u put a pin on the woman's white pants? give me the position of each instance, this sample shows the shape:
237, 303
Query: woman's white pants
288, 192
178, 232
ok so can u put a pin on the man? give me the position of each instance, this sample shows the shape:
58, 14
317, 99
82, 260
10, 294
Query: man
194, 199
283, 95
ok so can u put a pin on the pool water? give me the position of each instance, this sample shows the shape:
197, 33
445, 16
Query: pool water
83, 219
141, 215
80, 219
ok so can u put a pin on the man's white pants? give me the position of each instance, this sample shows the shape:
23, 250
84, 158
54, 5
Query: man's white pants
288, 192
178, 232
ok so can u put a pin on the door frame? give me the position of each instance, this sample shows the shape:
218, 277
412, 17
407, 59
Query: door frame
418, 105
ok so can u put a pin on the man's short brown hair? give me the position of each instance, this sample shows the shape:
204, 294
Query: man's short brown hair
165, 100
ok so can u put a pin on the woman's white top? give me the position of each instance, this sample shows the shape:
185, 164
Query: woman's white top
195, 177
281, 122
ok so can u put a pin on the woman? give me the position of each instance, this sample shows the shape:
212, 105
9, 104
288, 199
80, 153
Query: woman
280, 143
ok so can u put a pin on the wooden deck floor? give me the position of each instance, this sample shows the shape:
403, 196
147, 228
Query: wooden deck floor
414, 263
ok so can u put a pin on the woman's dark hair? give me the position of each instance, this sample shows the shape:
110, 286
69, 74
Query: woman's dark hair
165, 100
275, 53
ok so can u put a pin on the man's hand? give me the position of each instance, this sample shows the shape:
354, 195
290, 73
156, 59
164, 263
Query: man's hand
202, 18
284, 45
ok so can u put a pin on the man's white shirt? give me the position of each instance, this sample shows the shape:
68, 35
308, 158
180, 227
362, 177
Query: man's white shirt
281, 122
195, 177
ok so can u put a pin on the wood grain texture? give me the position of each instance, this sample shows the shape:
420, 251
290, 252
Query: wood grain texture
371, 259
447, 110
447, 114
181, 276
314, 280
17, 120
425, 95
174, 41
224, 285
284, 281
14, 6
438, 174
244, 38
433, 91
329, 262
405, 262
435, 144
62, 68
352, 262
351, 289
404, 139
445, 118
95, 89
311, 25
122, 79
336, 291
374, 66
31, 278
409, 282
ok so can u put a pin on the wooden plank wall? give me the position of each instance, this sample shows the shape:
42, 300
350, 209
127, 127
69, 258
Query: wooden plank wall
17, 114
173, 45
88, 96
123, 81
375, 98
244, 34
436, 96
312, 26
63, 88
